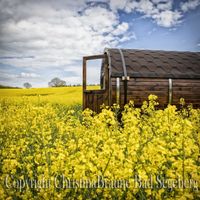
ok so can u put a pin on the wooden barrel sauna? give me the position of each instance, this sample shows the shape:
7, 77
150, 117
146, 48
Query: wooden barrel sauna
129, 74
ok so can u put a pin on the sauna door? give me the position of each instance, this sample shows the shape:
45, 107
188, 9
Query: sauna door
93, 99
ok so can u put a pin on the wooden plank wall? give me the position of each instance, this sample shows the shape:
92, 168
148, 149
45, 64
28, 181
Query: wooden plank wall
188, 89
140, 88
94, 99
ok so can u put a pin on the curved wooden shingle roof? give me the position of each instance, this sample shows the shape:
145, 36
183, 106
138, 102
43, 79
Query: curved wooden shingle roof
154, 63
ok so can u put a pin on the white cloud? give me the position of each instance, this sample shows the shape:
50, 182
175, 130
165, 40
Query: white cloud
117, 4
17, 79
168, 18
21, 75
144, 6
189, 5
147, 7
28, 75
120, 29
55, 34
159, 10
160, 1
165, 5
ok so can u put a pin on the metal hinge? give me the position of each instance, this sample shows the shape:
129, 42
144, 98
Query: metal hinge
125, 78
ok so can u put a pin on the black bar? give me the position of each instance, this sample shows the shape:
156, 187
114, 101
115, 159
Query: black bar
125, 91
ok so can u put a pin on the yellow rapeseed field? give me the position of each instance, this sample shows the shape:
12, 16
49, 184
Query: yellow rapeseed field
51, 151
61, 95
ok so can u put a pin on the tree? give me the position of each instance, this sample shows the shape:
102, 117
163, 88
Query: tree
56, 82
27, 85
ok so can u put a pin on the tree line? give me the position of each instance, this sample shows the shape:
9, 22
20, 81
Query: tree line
55, 82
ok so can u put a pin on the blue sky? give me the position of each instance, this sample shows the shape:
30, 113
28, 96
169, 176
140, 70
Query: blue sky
43, 39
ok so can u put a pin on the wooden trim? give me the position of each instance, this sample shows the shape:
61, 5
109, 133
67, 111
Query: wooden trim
84, 74
109, 71
94, 91
85, 58
84, 81
125, 91
93, 57
106, 72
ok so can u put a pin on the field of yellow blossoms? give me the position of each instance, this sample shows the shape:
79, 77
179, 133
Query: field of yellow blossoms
52, 151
